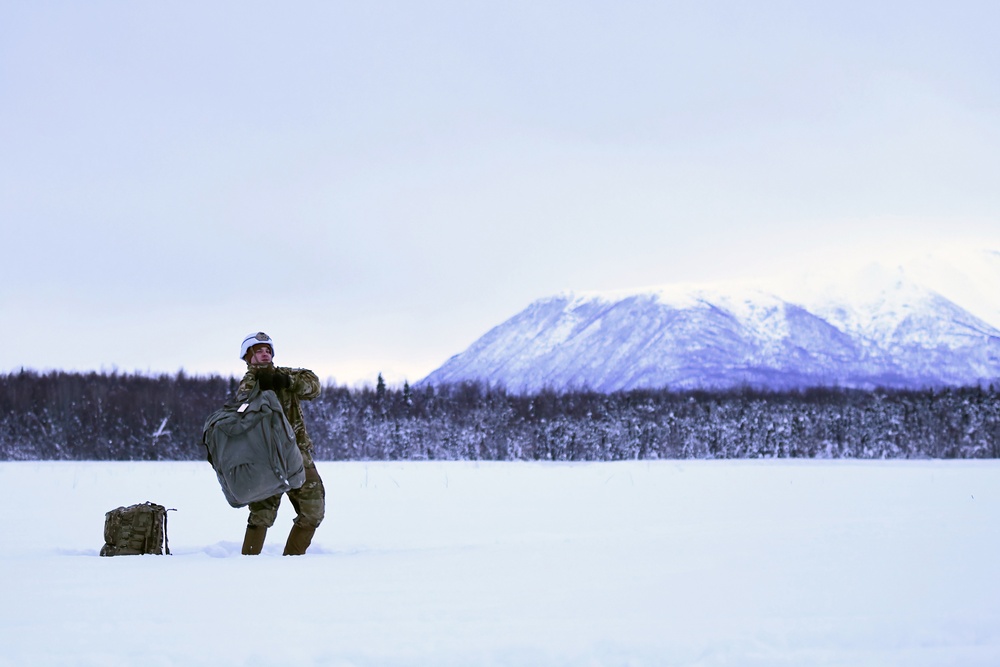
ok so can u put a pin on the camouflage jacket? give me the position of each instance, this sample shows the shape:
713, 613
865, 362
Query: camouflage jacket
305, 387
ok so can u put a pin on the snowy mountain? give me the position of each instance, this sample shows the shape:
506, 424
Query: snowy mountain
930, 320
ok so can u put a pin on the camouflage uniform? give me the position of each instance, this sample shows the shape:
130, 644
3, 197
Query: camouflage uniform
309, 500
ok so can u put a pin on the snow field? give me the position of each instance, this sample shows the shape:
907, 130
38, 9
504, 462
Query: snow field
461, 563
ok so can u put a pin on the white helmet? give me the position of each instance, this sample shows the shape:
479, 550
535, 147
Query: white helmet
255, 339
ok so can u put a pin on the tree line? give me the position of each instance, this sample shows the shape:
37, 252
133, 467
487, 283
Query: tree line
92, 416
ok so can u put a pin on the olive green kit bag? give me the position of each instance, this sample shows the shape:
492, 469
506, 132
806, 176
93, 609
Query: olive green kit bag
252, 447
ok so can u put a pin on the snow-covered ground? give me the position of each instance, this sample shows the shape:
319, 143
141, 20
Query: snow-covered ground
453, 564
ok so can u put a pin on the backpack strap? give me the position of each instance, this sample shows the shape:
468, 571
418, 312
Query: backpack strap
166, 542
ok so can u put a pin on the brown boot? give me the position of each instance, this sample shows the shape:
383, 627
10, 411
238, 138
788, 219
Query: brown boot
253, 541
299, 540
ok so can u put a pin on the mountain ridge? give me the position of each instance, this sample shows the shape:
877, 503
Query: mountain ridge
877, 325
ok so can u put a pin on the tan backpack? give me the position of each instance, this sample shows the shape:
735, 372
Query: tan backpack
135, 530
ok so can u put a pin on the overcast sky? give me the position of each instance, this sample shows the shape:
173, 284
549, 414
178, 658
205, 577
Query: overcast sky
377, 184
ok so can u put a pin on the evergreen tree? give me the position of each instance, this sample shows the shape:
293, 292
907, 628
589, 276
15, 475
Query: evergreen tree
407, 394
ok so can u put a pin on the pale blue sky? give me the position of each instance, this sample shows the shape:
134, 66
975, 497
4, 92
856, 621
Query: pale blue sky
377, 184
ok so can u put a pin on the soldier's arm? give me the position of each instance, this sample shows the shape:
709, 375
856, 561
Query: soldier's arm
305, 383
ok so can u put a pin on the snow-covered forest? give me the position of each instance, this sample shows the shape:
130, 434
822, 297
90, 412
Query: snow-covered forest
112, 416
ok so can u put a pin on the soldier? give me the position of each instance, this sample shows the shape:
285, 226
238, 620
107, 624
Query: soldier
290, 385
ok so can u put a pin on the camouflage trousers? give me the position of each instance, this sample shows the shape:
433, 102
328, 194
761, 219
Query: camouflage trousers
309, 502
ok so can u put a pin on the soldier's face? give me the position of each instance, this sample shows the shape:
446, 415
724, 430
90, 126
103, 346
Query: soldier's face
261, 355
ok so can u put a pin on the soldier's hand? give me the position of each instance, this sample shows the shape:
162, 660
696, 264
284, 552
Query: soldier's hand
281, 380
265, 378
269, 378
